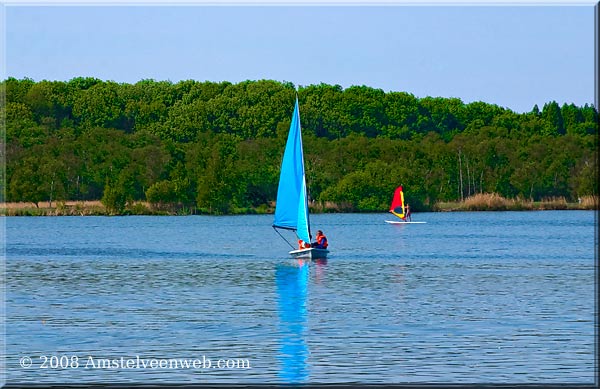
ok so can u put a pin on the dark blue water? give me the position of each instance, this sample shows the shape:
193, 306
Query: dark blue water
496, 297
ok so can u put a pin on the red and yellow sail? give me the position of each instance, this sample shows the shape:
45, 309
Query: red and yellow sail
397, 207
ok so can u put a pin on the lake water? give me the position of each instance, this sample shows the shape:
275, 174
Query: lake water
480, 297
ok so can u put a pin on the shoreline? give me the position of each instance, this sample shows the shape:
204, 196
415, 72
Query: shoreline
476, 203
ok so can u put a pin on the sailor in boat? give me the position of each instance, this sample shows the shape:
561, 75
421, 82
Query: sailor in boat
321, 242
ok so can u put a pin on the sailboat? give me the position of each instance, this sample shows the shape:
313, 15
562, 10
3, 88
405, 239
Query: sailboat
398, 208
291, 210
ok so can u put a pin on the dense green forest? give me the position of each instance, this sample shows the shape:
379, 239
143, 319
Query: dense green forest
217, 147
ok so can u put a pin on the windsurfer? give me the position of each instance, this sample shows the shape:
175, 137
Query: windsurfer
408, 215
321, 242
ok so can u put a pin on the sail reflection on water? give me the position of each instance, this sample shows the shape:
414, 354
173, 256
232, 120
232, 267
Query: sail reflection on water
292, 290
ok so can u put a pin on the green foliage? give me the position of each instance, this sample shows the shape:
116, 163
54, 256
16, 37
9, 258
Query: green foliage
162, 192
114, 198
217, 147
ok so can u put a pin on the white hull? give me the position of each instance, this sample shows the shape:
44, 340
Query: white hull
312, 253
399, 222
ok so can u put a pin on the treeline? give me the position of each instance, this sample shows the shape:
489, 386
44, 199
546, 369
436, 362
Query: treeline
217, 147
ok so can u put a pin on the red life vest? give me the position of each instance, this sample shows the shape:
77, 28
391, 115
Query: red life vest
320, 241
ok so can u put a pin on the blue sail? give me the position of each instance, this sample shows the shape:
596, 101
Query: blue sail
291, 211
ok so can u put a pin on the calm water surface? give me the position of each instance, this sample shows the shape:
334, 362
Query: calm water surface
492, 297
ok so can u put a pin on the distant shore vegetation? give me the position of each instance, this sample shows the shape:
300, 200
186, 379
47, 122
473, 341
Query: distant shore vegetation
478, 202
88, 146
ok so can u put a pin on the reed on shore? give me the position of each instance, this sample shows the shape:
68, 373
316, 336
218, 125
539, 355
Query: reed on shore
57, 208
96, 208
495, 202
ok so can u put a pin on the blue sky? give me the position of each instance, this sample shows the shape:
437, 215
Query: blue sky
514, 56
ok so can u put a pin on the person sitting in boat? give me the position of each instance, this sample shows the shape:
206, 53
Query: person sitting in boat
321, 242
303, 245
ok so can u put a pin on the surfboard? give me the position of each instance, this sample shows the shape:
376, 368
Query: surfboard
395, 222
